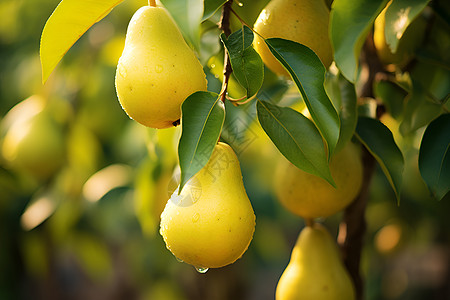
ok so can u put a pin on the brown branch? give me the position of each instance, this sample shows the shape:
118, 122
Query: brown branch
353, 227
224, 25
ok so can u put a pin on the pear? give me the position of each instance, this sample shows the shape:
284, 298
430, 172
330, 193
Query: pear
409, 42
211, 223
315, 271
302, 21
34, 140
309, 196
157, 69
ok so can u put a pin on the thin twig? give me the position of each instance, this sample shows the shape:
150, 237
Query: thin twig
224, 25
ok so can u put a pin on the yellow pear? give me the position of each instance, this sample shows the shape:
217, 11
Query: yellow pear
211, 223
309, 196
302, 21
157, 69
410, 40
315, 271
34, 141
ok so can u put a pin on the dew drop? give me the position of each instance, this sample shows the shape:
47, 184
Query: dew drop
201, 270
159, 68
195, 217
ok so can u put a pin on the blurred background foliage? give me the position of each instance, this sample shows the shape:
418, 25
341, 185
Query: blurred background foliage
82, 186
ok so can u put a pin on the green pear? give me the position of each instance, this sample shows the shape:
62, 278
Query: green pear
34, 139
157, 69
315, 271
211, 223
302, 21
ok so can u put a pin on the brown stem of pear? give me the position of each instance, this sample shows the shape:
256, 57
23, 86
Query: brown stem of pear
353, 227
309, 222
224, 25
152, 3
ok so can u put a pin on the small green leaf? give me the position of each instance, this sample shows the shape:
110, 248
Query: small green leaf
68, 22
398, 17
296, 137
391, 95
188, 16
308, 73
434, 156
210, 8
350, 22
420, 110
343, 95
248, 67
378, 140
202, 119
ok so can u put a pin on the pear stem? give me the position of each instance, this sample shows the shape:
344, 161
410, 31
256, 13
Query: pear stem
152, 3
309, 222
224, 25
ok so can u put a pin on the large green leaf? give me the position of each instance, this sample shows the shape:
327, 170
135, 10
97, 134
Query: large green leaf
188, 16
202, 119
398, 17
69, 21
210, 7
434, 156
296, 137
350, 22
343, 95
248, 67
378, 139
308, 73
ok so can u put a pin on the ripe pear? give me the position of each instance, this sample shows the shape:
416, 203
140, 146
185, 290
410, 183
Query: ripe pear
302, 21
211, 223
309, 196
315, 271
157, 69
409, 42
34, 140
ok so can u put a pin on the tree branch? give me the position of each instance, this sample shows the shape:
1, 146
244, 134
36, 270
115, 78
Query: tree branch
353, 226
224, 25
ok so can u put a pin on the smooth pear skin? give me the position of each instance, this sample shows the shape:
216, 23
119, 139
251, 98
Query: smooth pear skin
157, 69
34, 142
309, 196
315, 271
211, 223
302, 21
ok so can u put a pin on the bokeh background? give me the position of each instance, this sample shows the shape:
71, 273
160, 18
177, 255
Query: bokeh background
80, 202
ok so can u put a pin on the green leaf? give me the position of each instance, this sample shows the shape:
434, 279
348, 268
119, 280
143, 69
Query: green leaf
398, 17
434, 156
210, 8
343, 95
419, 110
308, 73
248, 67
350, 22
391, 95
296, 137
188, 16
68, 22
378, 140
202, 119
